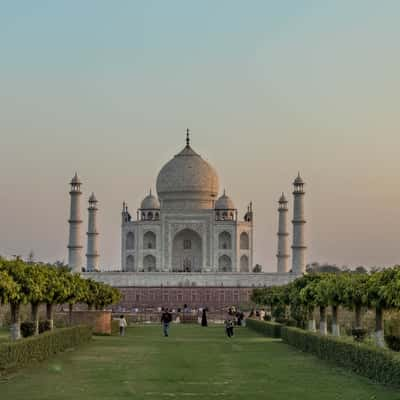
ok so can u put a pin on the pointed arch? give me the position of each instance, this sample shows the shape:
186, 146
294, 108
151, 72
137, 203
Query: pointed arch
244, 241
149, 263
224, 264
149, 240
225, 240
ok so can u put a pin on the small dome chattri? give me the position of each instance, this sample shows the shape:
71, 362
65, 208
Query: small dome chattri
282, 199
75, 180
150, 202
224, 203
298, 180
92, 198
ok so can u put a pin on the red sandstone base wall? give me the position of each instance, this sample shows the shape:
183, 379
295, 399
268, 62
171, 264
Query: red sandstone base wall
100, 321
214, 298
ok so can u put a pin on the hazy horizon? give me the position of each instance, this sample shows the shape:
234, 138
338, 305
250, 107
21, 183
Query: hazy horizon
268, 89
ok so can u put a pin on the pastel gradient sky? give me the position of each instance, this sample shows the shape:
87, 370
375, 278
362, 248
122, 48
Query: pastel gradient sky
268, 88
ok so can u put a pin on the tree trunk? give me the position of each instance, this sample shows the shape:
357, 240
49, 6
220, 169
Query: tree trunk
311, 321
70, 308
323, 329
35, 317
358, 316
49, 315
15, 322
335, 325
379, 334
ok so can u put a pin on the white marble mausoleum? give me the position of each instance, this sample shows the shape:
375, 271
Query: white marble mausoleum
188, 226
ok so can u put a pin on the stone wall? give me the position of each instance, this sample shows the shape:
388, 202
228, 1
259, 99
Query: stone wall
175, 297
202, 279
100, 321
167, 289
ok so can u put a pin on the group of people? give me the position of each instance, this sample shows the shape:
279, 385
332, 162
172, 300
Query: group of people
235, 317
260, 314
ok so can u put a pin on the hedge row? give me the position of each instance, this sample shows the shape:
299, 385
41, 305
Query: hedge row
381, 365
270, 329
14, 355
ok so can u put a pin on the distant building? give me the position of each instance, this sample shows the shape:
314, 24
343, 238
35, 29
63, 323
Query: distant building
187, 244
187, 228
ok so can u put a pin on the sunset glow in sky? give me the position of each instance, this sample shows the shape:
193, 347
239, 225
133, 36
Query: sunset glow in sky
267, 88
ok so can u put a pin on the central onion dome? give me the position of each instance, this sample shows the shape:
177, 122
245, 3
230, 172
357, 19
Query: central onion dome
187, 181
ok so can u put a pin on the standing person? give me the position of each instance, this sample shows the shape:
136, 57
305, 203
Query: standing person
242, 320
122, 325
204, 318
229, 327
166, 319
239, 318
227, 331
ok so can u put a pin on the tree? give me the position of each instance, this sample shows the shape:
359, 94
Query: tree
75, 291
9, 289
91, 293
300, 303
276, 297
106, 296
331, 287
311, 297
381, 296
355, 294
16, 270
361, 270
56, 290
35, 284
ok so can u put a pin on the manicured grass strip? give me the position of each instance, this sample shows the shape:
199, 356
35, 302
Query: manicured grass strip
4, 335
193, 362
381, 365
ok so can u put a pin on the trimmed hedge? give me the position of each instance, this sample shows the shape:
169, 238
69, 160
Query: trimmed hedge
381, 365
270, 329
14, 355
375, 363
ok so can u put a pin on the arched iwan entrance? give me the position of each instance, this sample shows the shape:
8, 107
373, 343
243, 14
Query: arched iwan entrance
187, 252
149, 263
224, 264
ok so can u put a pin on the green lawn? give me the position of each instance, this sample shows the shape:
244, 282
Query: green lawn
4, 334
195, 363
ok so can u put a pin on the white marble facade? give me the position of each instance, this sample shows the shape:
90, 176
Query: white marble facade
187, 227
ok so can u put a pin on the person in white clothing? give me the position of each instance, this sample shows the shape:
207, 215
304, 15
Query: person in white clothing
122, 325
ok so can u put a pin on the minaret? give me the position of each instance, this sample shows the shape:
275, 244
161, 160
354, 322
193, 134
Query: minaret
283, 236
298, 247
75, 245
92, 255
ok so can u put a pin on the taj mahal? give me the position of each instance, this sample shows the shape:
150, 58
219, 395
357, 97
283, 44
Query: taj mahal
187, 240
188, 228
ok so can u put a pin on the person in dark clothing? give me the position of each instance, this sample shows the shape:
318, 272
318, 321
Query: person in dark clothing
166, 319
229, 327
204, 318
239, 319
